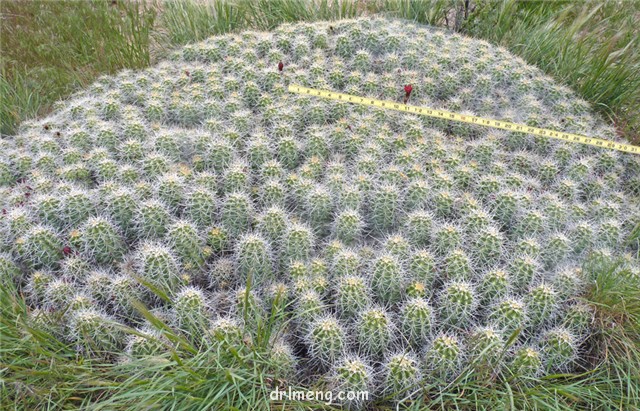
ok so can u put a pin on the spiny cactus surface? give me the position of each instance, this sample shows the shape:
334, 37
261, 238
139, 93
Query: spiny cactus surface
400, 245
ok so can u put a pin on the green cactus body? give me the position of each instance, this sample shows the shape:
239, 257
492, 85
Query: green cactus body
373, 329
41, 247
387, 279
326, 340
457, 303
508, 315
444, 357
401, 375
101, 241
352, 374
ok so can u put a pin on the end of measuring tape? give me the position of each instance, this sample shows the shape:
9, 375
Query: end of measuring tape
481, 121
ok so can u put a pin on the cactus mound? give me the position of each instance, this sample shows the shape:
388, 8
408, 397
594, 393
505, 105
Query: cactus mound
381, 232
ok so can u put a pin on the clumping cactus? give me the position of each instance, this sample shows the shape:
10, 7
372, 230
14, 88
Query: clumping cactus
327, 340
376, 231
457, 303
416, 321
559, 349
387, 279
353, 374
444, 356
526, 363
254, 259
374, 331
352, 295
101, 241
401, 376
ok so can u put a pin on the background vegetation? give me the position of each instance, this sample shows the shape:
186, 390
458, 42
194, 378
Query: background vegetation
51, 48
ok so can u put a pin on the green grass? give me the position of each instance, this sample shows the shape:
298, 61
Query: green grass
52, 48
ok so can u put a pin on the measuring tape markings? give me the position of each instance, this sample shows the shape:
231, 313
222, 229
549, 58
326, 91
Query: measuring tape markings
448, 115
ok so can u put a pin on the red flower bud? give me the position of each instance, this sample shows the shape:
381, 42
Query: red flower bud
66, 250
407, 90
4, 211
280, 66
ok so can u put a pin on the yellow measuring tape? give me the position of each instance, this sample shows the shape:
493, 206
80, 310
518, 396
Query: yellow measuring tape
447, 115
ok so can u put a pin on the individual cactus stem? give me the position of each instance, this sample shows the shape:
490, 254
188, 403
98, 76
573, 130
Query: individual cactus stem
236, 213
457, 303
101, 241
9, 271
94, 332
58, 294
40, 247
556, 249
494, 285
374, 331
579, 318
444, 356
457, 266
418, 228
346, 262
253, 259
297, 243
272, 223
421, 267
352, 296
508, 315
397, 246
218, 239
352, 376
348, 226
186, 242
384, 207
326, 340
146, 342
542, 304
192, 312
526, 363
568, 282
319, 206
249, 306
402, 374
201, 207
387, 279
485, 345
487, 246
226, 332
308, 307
158, 265
152, 219
559, 349
522, 271
282, 361
446, 238
416, 321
